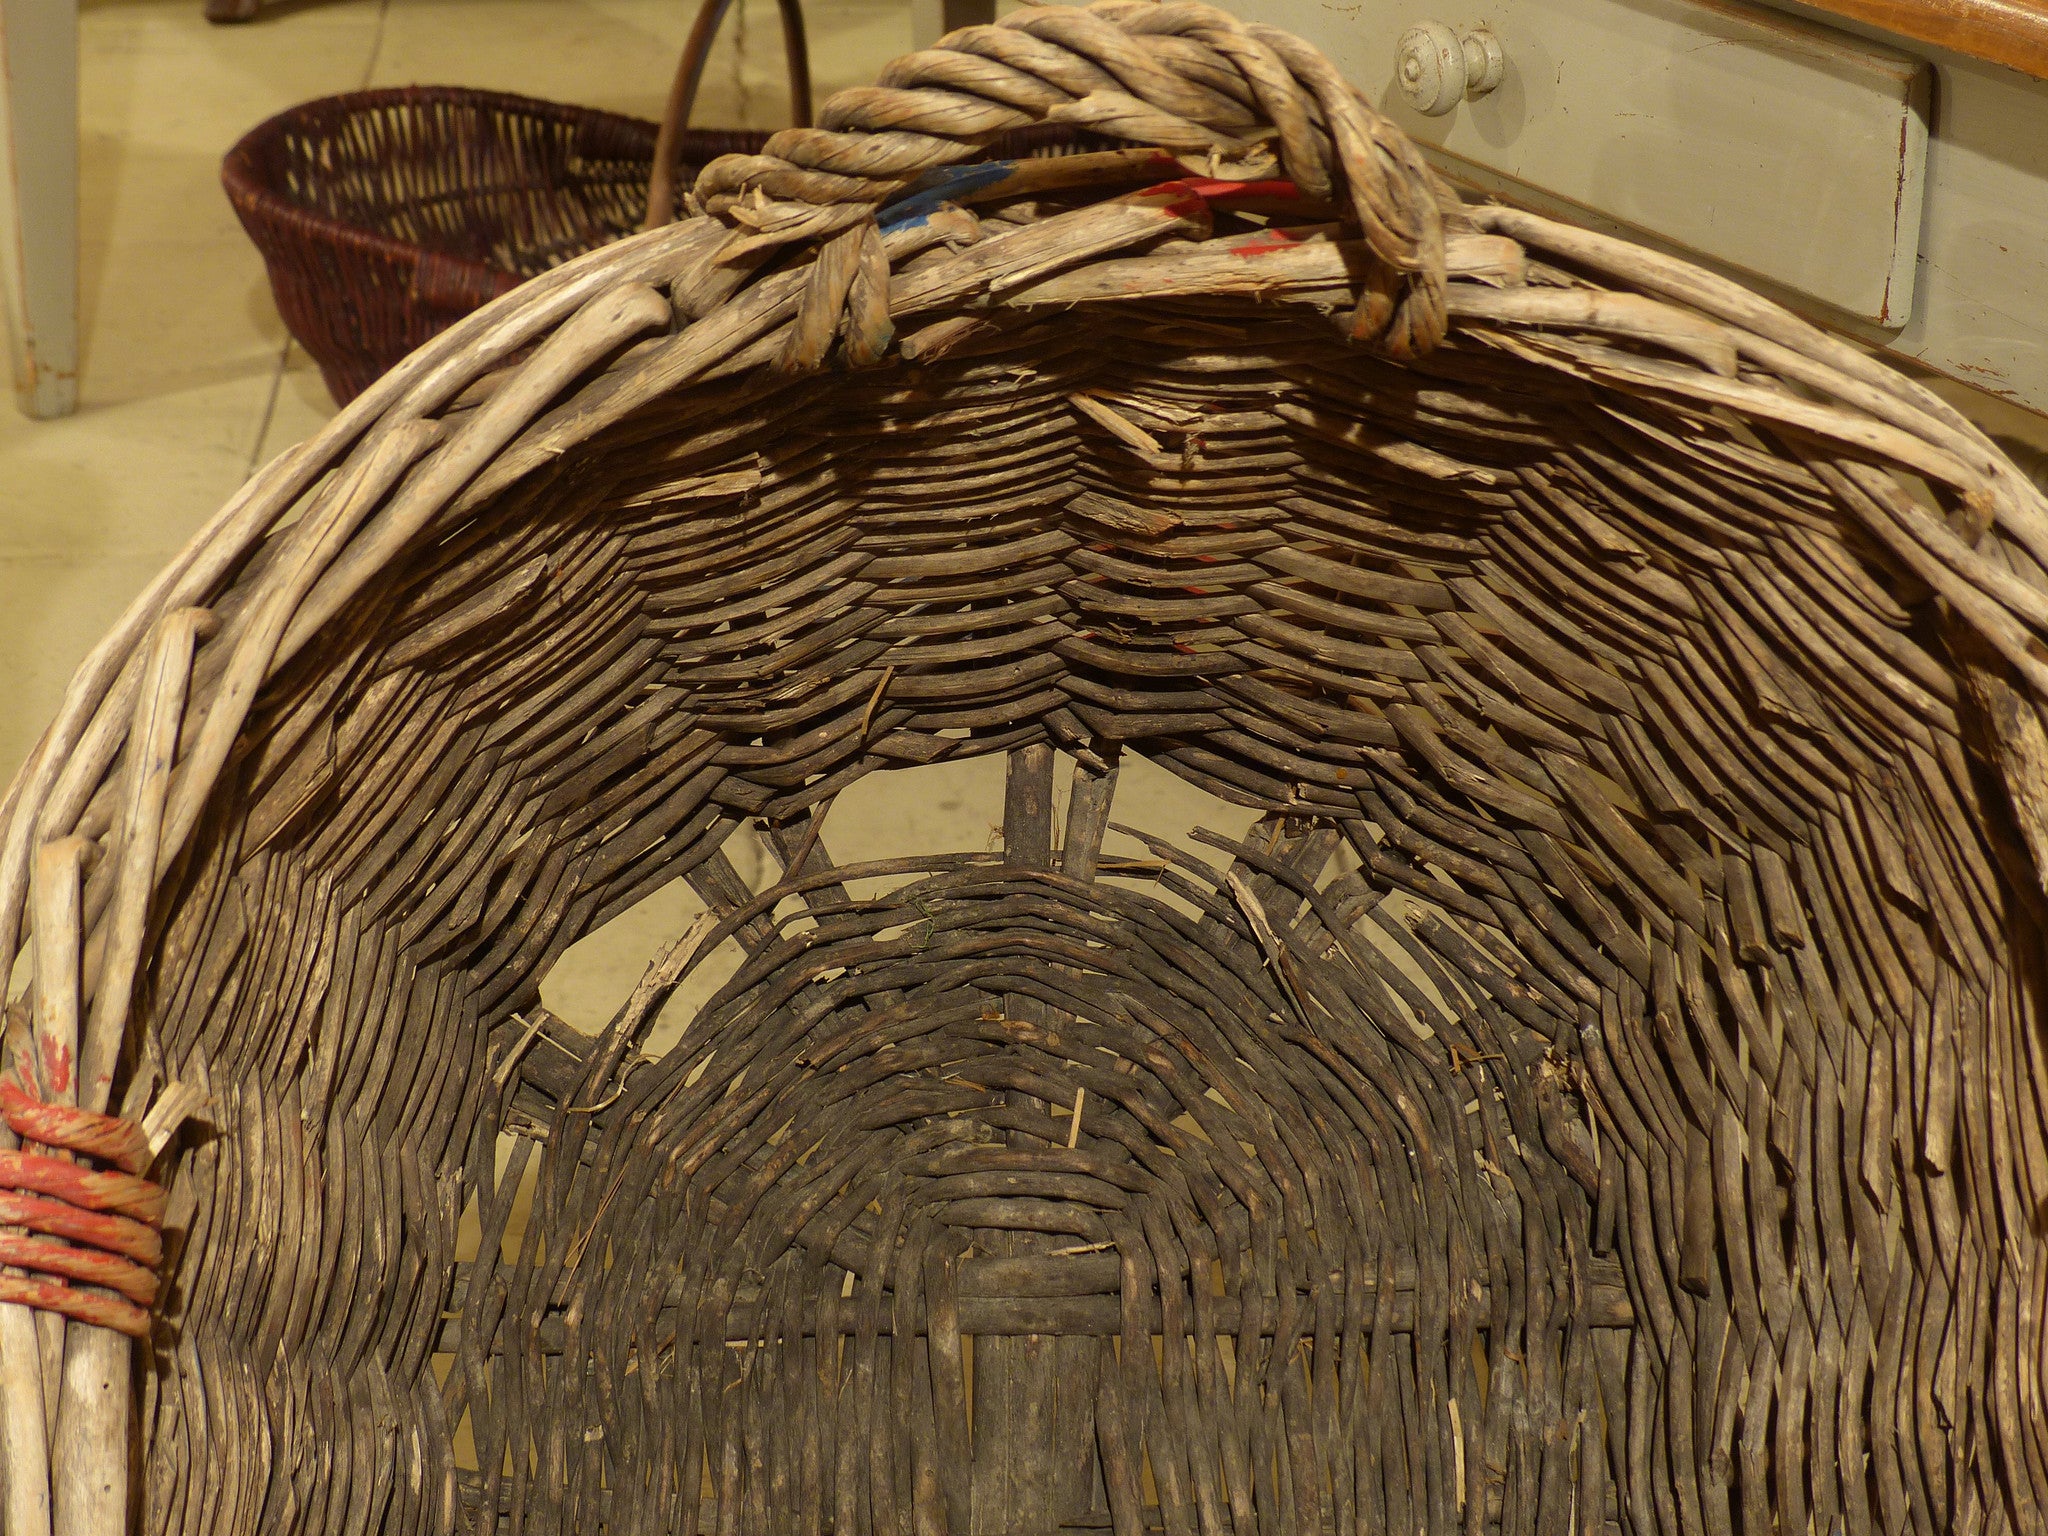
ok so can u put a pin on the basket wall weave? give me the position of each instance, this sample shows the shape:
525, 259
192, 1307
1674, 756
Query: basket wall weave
1604, 1092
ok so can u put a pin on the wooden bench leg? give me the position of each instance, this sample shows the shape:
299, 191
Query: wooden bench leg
39, 200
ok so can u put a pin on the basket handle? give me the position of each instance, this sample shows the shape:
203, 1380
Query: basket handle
1242, 101
682, 95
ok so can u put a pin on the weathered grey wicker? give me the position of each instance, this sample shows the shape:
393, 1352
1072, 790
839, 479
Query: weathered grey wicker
1605, 1092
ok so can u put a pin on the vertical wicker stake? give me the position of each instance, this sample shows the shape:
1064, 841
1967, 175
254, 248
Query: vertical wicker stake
57, 946
90, 1464
22, 1435
53, 1053
59, 922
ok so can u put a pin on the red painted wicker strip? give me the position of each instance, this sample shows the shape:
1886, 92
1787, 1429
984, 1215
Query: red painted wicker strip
121, 1193
105, 1137
86, 1265
84, 1306
96, 1229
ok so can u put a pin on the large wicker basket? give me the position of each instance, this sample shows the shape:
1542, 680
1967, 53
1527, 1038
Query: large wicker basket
1605, 1090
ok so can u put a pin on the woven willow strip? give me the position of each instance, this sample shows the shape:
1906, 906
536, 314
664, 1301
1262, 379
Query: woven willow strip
1604, 1091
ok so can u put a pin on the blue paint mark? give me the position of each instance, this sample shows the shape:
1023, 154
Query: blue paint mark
931, 191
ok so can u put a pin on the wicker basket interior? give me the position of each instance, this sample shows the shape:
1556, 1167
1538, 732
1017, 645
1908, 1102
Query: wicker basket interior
1595, 1084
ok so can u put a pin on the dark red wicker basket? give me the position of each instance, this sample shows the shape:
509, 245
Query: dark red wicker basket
386, 216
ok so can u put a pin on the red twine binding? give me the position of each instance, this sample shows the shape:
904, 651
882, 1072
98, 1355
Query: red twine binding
105, 1223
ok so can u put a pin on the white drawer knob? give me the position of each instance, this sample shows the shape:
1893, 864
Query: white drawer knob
1439, 67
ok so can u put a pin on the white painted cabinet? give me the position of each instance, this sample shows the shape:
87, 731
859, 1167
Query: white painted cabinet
1982, 312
